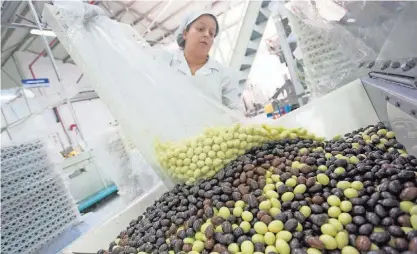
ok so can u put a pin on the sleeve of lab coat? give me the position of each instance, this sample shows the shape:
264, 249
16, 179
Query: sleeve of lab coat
231, 91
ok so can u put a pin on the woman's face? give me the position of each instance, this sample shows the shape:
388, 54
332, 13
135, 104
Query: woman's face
199, 38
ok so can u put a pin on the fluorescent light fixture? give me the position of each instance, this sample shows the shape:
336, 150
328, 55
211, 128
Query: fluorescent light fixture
43, 32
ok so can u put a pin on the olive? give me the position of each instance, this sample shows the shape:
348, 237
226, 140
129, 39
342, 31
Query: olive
366, 229
380, 237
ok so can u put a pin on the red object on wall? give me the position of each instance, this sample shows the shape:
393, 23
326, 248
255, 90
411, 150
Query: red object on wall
72, 127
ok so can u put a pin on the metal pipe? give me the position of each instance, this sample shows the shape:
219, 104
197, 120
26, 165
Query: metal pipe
24, 18
52, 59
18, 25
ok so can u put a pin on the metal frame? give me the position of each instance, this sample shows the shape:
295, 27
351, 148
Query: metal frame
299, 90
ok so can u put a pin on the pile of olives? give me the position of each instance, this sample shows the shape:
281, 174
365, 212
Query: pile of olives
202, 157
353, 194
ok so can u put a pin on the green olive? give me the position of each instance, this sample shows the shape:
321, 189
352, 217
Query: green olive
336, 223
237, 211
247, 247
330, 242
275, 226
258, 238
345, 206
357, 185
287, 196
413, 221
349, 250
405, 206
353, 160
306, 211
345, 218
413, 210
233, 248
333, 200
343, 185
322, 168
282, 247
284, 235
339, 170
198, 246
313, 251
291, 182
271, 194
245, 226
247, 216
351, 193
300, 189
269, 238
270, 249
265, 205
275, 203
390, 134
323, 179
224, 212
328, 229
334, 212
342, 239
260, 227
240, 204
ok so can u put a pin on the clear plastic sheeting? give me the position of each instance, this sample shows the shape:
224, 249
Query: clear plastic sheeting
122, 164
36, 205
331, 52
151, 101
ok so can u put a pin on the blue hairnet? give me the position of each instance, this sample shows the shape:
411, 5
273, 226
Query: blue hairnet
190, 18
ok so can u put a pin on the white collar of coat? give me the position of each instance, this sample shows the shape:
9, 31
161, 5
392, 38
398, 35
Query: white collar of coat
207, 69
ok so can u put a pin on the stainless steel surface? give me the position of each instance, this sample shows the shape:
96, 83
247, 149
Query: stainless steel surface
404, 67
396, 107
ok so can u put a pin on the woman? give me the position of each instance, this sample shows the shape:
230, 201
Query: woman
195, 37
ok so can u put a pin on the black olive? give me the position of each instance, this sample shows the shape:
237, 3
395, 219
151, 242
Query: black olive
366, 229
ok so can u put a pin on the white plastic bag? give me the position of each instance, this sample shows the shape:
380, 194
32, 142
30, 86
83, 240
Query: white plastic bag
150, 100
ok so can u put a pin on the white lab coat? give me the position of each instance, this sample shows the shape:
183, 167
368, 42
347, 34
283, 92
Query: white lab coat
214, 80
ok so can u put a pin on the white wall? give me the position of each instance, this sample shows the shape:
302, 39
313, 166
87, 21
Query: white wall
92, 115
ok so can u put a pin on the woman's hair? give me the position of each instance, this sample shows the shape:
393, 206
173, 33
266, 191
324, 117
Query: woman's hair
188, 21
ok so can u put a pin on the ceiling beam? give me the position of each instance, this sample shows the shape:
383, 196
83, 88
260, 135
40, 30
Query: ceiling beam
145, 15
124, 9
18, 25
27, 36
24, 18
161, 27
9, 9
8, 32
159, 24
